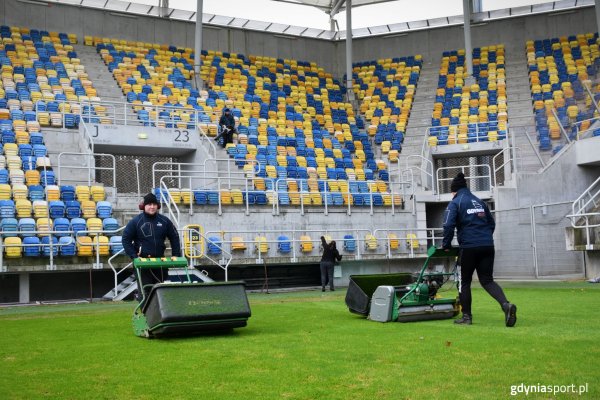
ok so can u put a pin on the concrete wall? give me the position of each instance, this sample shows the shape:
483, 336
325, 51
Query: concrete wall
86, 21
564, 180
513, 32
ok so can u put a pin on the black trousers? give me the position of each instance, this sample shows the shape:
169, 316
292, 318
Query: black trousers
480, 259
151, 276
327, 274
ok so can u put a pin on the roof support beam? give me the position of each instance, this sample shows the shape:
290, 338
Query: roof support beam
349, 89
468, 46
198, 42
597, 7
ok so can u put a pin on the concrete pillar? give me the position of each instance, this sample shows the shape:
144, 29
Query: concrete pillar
24, 287
350, 93
198, 42
597, 7
467, 29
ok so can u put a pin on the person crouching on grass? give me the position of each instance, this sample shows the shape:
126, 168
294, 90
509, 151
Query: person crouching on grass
475, 228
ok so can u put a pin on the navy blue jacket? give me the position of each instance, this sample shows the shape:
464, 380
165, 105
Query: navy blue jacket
472, 219
227, 120
144, 236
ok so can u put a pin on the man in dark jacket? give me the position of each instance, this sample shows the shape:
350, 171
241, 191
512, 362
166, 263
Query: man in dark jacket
144, 236
330, 255
227, 127
475, 228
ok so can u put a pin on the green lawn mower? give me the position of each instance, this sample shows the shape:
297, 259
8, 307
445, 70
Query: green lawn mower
187, 307
404, 297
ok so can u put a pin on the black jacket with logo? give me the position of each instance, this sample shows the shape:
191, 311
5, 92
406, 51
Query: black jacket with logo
472, 219
145, 235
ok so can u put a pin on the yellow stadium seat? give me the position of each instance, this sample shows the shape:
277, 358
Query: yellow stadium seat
306, 244
12, 247
237, 243
85, 247
82, 192
412, 241
261, 245
97, 193
393, 241
88, 209
370, 242
101, 245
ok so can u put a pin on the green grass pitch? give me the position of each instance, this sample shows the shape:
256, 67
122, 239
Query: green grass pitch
306, 345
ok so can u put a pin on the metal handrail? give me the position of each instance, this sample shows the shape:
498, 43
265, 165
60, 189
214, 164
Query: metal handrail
226, 257
89, 168
509, 161
470, 177
190, 170
429, 236
425, 168
294, 239
580, 204
123, 107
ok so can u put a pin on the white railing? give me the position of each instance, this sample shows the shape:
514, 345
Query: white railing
410, 243
585, 212
191, 172
55, 247
472, 175
477, 135
223, 263
88, 164
118, 113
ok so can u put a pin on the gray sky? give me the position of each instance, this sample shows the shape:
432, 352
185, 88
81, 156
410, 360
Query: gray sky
378, 14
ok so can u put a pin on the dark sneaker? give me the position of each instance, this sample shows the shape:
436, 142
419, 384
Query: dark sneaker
464, 320
510, 314
323, 289
332, 289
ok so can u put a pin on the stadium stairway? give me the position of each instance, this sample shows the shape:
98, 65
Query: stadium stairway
105, 84
420, 116
520, 112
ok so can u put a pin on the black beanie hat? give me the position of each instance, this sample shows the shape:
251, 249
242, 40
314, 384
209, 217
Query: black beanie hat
150, 199
458, 182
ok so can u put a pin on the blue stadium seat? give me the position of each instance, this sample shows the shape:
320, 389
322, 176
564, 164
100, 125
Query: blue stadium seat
26, 227
63, 226
104, 209
116, 244
46, 248
73, 209
284, 245
67, 246
214, 245
9, 227
31, 246
57, 209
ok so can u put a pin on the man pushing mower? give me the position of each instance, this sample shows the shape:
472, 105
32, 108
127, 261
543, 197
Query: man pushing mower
475, 228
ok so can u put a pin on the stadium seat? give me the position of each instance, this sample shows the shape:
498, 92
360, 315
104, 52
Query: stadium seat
85, 247
67, 246
12, 246
284, 245
49, 245
349, 243
116, 244
370, 242
9, 227
31, 246
261, 245
237, 243
306, 244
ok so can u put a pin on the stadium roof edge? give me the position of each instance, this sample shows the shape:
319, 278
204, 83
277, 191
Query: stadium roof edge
292, 31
